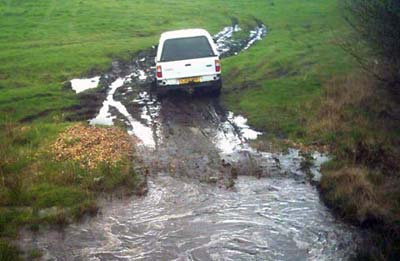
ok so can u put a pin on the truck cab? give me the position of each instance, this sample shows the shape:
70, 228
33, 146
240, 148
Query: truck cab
188, 60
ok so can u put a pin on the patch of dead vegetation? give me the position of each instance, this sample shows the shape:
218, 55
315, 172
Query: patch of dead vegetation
340, 94
359, 121
89, 146
350, 192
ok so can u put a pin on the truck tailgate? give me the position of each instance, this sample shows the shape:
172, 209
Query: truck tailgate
188, 68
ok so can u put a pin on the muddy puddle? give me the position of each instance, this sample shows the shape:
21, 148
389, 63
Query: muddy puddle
81, 85
211, 195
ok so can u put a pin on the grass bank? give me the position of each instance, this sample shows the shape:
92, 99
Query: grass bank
360, 121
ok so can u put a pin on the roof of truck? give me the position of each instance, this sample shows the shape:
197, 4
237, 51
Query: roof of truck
184, 33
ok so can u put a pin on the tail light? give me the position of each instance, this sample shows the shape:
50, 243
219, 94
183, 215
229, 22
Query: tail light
217, 66
159, 71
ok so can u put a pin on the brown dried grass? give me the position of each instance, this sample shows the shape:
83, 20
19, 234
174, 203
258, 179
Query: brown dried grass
340, 94
350, 192
89, 146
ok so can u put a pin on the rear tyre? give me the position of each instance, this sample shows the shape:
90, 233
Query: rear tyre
153, 86
160, 92
216, 88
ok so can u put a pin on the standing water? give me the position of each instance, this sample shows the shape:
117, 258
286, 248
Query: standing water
179, 219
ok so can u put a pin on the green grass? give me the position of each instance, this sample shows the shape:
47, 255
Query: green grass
274, 83
43, 43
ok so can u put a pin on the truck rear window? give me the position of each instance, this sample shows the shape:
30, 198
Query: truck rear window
186, 48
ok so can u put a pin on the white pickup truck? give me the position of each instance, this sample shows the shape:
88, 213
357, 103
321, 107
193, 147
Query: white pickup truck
187, 60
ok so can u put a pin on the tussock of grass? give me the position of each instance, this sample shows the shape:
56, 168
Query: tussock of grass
367, 198
349, 191
357, 118
8, 252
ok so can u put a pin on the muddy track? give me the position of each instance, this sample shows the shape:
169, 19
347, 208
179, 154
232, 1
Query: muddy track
211, 195
181, 128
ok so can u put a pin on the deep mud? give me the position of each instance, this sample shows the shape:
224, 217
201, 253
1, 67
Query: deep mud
211, 195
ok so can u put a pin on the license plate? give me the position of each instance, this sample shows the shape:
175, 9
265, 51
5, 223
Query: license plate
189, 80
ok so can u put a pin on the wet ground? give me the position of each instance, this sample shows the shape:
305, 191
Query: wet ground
211, 195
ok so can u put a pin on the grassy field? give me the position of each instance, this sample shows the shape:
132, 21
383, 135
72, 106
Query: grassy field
279, 78
43, 43
279, 84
